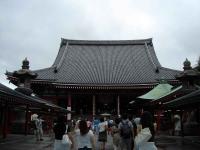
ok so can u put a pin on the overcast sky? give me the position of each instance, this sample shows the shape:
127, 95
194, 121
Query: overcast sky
34, 28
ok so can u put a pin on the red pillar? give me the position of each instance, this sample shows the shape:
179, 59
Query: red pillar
118, 105
93, 106
26, 121
69, 100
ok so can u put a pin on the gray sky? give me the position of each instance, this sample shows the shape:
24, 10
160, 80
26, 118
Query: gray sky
34, 28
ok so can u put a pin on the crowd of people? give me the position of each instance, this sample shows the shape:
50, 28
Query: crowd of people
127, 133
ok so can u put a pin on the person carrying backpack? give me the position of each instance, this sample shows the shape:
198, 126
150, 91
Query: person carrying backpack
126, 132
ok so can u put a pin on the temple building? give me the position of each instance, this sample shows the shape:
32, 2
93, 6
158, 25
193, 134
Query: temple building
94, 77
17, 106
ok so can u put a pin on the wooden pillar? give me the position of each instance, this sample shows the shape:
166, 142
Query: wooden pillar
158, 119
197, 114
5, 121
69, 106
181, 119
26, 120
69, 103
93, 106
118, 105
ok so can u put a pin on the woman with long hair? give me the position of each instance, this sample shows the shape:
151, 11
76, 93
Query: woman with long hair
85, 137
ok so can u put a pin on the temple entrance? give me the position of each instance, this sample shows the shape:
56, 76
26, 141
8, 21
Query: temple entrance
82, 104
89, 105
106, 104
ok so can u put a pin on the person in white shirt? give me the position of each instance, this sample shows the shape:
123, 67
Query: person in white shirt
103, 125
39, 130
177, 125
84, 137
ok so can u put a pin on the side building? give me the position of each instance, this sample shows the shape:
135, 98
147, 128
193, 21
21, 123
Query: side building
94, 77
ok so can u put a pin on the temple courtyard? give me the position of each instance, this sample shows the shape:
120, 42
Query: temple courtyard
163, 142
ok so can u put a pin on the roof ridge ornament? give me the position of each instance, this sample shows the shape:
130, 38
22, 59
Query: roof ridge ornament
187, 65
162, 80
25, 64
105, 42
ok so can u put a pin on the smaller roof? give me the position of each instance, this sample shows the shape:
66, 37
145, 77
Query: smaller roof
157, 92
13, 96
160, 91
190, 98
173, 90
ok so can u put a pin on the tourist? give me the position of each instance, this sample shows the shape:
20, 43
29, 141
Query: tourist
137, 122
177, 125
126, 132
89, 123
103, 125
39, 130
130, 117
77, 123
84, 137
144, 140
110, 124
116, 134
95, 125
59, 130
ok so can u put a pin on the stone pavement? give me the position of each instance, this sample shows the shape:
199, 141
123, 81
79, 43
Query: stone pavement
164, 142
21, 142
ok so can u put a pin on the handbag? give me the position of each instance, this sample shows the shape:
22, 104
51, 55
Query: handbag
66, 140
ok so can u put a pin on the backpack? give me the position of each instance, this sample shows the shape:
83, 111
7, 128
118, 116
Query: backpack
125, 130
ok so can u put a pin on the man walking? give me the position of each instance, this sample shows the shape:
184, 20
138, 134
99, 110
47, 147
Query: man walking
126, 132
39, 130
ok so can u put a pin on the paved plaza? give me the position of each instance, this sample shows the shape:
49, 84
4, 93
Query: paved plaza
21, 142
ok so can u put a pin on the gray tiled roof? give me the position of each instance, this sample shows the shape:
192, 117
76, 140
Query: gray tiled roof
106, 62
190, 98
14, 96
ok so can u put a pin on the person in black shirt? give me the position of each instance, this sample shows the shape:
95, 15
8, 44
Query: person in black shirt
59, 130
